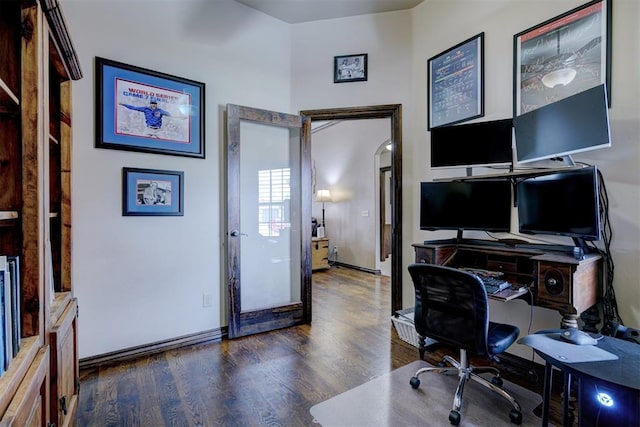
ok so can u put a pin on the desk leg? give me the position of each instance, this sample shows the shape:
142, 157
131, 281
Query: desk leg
566, 398
546, 396
569, 320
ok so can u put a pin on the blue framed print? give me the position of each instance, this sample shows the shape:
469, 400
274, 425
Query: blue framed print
152, 192
456, 83
143, 110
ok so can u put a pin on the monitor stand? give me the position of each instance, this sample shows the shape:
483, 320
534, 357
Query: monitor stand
580, 248
552, 163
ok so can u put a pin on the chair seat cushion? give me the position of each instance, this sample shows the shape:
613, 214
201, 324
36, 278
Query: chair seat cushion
500, 337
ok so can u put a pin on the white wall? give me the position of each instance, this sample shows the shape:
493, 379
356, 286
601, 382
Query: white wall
141, 279
385, 37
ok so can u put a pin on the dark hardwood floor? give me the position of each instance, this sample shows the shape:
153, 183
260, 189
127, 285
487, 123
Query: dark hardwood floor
271, 379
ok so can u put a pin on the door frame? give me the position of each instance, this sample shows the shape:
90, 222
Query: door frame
248, 322
394, 112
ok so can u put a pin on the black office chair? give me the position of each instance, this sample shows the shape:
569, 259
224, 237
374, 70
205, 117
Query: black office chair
451, 307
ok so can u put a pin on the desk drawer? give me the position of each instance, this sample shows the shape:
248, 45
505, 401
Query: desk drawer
319, 254
502, 265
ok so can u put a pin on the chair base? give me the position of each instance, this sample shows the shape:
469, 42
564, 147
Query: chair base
467, 372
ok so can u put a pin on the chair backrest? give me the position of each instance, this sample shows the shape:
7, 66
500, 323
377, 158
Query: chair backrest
451, 307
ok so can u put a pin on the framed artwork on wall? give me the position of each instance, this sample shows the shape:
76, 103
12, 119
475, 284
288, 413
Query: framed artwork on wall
144, 110
151, 192
562, 56
456, 83
350, 68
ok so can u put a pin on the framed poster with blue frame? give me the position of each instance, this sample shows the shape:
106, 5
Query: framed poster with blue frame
152, 192
143, 110
456, 83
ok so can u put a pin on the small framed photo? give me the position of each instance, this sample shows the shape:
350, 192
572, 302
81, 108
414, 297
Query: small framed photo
350, 68
144, 110
456, 83
151, 192
562, 56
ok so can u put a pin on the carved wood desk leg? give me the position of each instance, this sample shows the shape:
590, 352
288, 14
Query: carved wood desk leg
591, 319
569, 320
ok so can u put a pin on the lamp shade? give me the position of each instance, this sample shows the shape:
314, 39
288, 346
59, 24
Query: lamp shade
323, 196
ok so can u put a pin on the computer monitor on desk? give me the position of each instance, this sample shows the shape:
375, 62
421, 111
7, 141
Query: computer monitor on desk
465, 205
566, 203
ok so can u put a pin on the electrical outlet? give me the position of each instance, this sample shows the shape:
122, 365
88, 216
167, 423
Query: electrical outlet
207, 300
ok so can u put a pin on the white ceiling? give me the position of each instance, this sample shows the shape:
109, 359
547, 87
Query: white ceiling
295, 11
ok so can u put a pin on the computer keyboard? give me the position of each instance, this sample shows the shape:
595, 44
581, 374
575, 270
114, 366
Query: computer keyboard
493, 283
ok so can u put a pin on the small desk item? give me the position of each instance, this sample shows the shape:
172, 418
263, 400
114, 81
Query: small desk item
576, 336
608, 377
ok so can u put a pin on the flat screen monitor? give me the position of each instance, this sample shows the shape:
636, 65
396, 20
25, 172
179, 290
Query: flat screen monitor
467, 205
565, 204
574, 124
473, 144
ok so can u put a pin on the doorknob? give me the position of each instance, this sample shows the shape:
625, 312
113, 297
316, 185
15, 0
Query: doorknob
236, 233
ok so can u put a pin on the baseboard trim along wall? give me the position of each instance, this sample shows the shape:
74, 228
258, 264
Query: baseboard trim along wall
213, 335
355, 267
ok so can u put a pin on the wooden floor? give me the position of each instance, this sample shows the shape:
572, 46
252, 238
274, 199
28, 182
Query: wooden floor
272, 379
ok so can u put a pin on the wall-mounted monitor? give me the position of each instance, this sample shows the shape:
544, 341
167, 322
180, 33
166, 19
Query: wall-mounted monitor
467, 205
574, 124
566, 203
472, 145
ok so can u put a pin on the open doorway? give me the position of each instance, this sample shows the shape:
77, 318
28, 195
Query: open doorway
394, 113
384, 246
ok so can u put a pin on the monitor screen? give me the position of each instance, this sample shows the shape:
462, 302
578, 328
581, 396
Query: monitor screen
565, 203
467, 205
473, 144
572, 125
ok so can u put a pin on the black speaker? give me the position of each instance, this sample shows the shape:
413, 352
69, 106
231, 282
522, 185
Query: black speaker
554, 282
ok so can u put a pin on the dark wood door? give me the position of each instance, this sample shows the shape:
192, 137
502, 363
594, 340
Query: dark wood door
268, 220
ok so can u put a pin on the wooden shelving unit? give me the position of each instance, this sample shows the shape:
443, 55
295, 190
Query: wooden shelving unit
40, 385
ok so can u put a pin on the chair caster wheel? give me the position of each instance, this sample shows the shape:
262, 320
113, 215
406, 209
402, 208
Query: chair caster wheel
442, 364
496, 381
515, 416
454, 417
415, 382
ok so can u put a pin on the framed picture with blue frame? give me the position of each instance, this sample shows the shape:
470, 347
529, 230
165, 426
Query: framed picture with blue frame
152, 192
143, 110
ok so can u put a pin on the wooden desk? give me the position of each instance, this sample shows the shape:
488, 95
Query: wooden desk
558, 281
